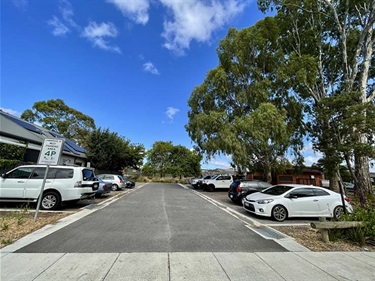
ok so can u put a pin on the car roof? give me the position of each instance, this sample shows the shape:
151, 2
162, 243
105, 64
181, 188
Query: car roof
54, 166
298, 185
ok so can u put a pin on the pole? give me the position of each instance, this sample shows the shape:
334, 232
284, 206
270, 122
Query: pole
41, 194
341, 185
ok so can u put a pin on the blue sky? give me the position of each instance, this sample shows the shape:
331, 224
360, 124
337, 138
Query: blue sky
131, 65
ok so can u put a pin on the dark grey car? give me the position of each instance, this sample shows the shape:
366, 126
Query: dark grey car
239, 189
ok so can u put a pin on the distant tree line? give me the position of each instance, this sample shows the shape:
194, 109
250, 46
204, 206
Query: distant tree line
166, 159
107, 150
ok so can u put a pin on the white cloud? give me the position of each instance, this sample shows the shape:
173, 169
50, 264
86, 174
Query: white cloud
136, 10
171, 112
310, 155
97, 34
59, 28
21, 4
149, 67
218, 161
11, 111
66, 11
196, 20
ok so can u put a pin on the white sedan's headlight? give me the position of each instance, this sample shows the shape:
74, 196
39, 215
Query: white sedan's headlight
265, 201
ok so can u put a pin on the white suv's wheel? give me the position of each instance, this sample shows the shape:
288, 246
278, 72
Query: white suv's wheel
50, 200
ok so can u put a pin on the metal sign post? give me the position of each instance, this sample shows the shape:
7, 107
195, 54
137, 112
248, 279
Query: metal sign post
49, 155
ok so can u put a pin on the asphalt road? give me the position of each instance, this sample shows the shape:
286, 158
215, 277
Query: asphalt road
155, 218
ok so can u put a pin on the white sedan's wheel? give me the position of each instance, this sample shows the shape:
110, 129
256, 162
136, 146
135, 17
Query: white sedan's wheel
279, 213
337, 212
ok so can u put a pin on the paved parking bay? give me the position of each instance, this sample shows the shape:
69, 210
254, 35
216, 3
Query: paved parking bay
221, 196
68, 207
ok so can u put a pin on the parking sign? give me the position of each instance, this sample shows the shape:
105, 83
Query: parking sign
51, 152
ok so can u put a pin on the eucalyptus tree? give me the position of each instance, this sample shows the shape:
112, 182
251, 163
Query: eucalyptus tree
55, 115
329, 51
159, 155
165, 158
241, 109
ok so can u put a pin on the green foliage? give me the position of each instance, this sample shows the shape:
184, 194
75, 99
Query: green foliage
20, 216
367, 216
55, 115
4, 225
12, 152
6, 165
329, 57
167, 159
109, 151
7, 241
241, 108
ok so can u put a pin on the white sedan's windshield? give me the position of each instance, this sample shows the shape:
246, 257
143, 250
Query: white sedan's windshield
277, 189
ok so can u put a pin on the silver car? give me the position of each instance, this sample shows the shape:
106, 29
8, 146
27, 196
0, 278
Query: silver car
117, 182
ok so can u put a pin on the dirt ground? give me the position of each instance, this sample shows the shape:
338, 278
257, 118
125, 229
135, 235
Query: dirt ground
15, 225
311, 239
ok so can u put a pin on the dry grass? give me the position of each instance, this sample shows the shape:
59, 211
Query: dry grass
15, 225
311, 239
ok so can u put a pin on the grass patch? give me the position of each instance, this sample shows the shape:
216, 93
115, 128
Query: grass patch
17, 224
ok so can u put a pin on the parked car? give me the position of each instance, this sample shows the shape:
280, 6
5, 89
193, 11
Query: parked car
294, 200
104, 187
349, 186
128, 183
117, 181
63, 184
218, 182
239, 189
197, 182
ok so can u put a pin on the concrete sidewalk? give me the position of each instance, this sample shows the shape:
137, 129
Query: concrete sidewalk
297, 266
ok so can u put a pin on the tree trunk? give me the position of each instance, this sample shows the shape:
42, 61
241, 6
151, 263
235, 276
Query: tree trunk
334, 183
362, 174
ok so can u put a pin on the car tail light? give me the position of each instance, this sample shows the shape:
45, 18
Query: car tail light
78, 184
347, 199
239, 188
120, 181
105, 186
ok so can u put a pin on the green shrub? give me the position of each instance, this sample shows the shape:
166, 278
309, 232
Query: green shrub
367, 216
13, 152
4, 225
20, 216
7, 241
6, 165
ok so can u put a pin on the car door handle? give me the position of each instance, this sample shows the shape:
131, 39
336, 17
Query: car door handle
21, 182
316, 200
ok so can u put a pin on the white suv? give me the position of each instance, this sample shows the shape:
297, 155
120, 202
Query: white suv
218, 182
63, 183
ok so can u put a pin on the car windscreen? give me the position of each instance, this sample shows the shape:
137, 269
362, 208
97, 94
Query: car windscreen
277, 190
88, 174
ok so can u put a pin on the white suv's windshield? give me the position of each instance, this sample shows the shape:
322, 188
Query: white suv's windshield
88, 174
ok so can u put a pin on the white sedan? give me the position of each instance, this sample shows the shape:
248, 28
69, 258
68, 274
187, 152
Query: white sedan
296, 200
